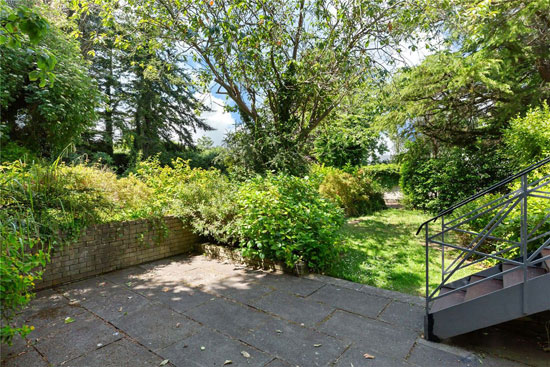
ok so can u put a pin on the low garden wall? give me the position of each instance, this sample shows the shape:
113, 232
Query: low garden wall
111, 246
233, 255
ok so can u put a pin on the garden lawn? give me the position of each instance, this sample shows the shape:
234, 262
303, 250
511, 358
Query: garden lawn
382, 250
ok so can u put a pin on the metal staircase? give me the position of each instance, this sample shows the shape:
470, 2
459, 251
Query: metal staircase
511, 255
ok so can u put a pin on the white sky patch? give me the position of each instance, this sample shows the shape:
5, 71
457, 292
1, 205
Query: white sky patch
218, 118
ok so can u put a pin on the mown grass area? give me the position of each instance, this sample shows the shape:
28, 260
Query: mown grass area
382, 250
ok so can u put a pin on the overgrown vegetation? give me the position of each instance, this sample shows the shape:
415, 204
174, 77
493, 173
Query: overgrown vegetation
316, 88
277, 217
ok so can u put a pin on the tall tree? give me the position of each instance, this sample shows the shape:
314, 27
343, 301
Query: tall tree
165, 110
495, 64
148, 98
286, 65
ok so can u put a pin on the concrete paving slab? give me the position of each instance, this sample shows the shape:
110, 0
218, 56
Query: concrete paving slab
72, 340
342, 283
360, 357
18, 346
243, 288
134, 274
447, 355
209, 348
28, 359
381, 338
172, 304
156, 326
178, 297
403, 314
84, 289
295, 344
294, 308
228, 317
121, 353
351, 300
423, 355
407, 298
185, 262
114, 302
291, 284
277, 363
50, 321
43, 300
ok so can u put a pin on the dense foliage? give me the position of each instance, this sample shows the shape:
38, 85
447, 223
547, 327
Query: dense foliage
284, 65
43, 207
354, 192
316, 90
386, 175
284, 218
45, 118
527, 140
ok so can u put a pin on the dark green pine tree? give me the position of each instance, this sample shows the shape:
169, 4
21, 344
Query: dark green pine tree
165, 110
148, 99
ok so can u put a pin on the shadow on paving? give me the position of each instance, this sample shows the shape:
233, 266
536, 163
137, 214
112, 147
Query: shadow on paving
191, 311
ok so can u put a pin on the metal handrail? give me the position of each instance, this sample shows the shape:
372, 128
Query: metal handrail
502, 207
485, 192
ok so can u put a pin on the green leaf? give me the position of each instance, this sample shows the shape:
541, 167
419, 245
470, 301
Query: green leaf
34, 75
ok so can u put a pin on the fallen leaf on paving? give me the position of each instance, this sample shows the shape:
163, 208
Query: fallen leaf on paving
120, 309
317, 345
245, 354
227, 362
368, 356
68, 320
163, 363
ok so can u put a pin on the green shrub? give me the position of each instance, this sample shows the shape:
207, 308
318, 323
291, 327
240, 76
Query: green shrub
10, 152
284, 218
509, 229
21, 259
436, 183
356, 194
203, 199
385, 174
43, 207
527, 138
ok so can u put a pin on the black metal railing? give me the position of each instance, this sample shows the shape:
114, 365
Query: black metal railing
473, 246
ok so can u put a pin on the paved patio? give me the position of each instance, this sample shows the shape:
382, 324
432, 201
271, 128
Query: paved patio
192, 311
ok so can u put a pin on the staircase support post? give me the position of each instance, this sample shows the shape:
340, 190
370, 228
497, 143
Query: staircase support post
442, 249
523, 241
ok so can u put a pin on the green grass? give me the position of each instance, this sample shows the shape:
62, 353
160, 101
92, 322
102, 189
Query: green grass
382, 250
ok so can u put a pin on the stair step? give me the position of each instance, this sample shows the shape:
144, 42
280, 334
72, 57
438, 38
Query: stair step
448, 301
516, 277
482, 288
546, 263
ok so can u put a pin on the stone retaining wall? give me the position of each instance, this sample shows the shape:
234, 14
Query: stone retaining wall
111, 246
